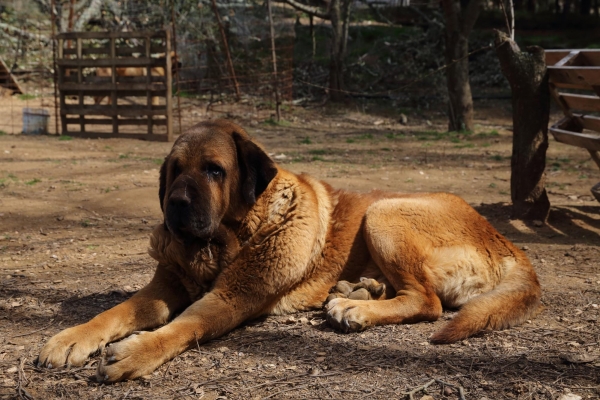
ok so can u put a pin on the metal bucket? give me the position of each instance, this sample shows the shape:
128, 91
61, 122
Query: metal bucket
35, 121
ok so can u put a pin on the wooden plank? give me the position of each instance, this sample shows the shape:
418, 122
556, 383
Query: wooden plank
581, 102
586, 56
121, 51
554, 56
589, 57
91, 79
587, 122
120, 94
584, 140
108, 62
569, 59
562, 85
118, 86
121, 121
111, 35
579, 77
169, 92
108, 135
109, 111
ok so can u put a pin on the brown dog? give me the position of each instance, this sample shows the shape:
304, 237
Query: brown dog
137, 71
298, 237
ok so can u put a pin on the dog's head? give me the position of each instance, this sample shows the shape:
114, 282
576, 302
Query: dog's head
213, 174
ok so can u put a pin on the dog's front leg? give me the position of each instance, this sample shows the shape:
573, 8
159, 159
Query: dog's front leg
245, 289
152, 306
139, 355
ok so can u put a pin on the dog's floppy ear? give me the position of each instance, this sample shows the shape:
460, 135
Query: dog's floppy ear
162, 183
256, 167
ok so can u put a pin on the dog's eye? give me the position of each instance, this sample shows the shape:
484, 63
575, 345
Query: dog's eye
176, 170
214, 171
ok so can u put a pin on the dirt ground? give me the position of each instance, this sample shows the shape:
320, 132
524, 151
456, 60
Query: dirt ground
74, 222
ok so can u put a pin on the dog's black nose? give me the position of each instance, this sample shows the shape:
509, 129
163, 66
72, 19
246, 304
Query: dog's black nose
180, 203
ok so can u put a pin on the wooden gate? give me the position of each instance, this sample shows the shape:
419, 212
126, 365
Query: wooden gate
579, 70
131, 71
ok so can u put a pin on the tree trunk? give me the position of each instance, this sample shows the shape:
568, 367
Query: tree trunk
338, 13
460, 100
459, 23
528, 78
336, 64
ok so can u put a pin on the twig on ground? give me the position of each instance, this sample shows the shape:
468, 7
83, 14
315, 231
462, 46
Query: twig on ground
21, 391
326, 389
420, 388
461, 391
285, 390
168, 366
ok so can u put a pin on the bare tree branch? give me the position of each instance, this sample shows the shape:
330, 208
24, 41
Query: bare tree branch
377, 13
20, 32
315, 11
45, 5
425, 16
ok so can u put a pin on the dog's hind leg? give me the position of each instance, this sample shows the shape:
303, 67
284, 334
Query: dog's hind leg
394, 245
414, 302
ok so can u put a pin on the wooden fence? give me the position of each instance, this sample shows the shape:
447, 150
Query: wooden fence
130, 69
578, 70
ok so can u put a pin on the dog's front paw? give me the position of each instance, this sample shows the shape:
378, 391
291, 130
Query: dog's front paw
132, 357
70, 347
347, 315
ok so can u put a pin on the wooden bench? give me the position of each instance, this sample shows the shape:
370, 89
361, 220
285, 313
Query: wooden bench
579, 70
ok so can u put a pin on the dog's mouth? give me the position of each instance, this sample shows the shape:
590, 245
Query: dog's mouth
191, 231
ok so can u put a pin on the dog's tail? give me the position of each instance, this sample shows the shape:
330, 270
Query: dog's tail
514, 300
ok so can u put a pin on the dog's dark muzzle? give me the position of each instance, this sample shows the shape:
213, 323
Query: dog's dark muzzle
182, 214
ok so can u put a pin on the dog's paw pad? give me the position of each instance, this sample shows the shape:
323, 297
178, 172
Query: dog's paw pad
366, 289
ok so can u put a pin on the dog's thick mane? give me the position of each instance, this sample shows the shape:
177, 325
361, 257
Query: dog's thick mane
196, 263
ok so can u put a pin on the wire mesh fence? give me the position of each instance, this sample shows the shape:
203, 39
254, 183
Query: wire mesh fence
223, 50
26, 70
225, 53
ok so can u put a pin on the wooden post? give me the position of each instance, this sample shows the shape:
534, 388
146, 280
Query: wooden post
227, 53
80, 81
274, 55
176, 71
168, 81
55, 75
148, 83
113, 92
61, 80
